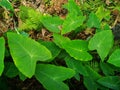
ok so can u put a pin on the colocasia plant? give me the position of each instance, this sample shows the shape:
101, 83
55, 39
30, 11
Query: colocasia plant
95, 60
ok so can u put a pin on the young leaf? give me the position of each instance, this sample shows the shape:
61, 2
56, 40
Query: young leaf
55, 50
102, 42
77, 66
112, 82
6, 4
93, 21
115, 58
2, 51
77, 49
26, 52
71, 23
100, 11
52, 76
52, 23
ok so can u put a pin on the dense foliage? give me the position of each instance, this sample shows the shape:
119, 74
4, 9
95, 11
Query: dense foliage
95, 60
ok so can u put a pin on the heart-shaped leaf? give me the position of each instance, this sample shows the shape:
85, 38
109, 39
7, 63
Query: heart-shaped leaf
90, 84
71, 23
51, 76
93, 21
107, 69
53, 24
102, 42
77, 49
2, 51
72, 7
115, 58
26, 52
90, 80
10, 70
100, 11
112, 82
59, 39
77, 66
55, 50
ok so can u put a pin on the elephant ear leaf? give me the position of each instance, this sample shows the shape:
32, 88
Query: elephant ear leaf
102, 42
2, 51
72, 23
77, 49
112, 82
51, 76
26, 52
93, 21
52, 23
115, 58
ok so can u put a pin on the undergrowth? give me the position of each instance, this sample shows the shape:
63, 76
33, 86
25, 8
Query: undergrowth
94, 59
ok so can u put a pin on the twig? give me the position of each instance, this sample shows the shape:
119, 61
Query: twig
115, 22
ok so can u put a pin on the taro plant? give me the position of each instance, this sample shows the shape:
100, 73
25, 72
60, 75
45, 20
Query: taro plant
94, 60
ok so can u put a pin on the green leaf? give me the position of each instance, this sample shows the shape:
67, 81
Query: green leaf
53, 24
51, 76
22, 77
107, 69
71, 23
55, 50
115, 58
90, 84
6, 4
92, 73
2, 52
77, 66
102, 42
77, 49
93, 21
90, 80
112, 82
72, 7
59, 39
26, 52
11, 70
100, 11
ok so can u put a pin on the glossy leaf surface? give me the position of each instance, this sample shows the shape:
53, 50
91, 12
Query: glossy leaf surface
102, 42
71, 23
26, 52
53, 24
77, 49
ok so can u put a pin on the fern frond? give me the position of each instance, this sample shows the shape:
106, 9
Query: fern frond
30, 19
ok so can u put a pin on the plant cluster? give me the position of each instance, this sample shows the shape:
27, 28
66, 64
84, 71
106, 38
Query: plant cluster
96, 59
